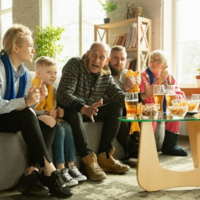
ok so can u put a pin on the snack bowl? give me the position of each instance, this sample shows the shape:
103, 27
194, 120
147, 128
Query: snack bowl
178, 111
179, 102
149, 110
192, 105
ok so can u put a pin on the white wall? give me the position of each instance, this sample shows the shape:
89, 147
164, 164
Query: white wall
27, 13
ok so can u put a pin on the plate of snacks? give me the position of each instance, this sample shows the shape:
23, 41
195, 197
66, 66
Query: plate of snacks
178, 111
192, 106
149, 110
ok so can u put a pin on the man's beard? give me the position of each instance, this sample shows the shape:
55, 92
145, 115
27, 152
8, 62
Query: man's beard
114, 71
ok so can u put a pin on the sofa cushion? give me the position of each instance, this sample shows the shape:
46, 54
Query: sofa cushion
13, 159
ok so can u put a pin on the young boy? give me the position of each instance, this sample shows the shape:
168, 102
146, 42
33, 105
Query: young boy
63, 145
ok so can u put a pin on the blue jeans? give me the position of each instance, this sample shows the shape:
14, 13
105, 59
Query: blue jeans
63, 145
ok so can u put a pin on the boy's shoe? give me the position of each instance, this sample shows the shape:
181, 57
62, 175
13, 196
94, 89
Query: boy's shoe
76, 174
56, 185
31, 185
67, 178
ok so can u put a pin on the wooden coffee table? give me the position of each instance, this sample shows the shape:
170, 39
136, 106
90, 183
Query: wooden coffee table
151, 176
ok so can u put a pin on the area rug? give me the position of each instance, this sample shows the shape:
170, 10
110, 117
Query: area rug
125, 187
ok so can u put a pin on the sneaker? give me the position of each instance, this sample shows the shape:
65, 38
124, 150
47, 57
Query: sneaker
31, 185
76, 174
110, 164
56, 185
67, 178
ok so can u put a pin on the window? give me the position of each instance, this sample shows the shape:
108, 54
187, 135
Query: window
5, 17
187, 41
78, 19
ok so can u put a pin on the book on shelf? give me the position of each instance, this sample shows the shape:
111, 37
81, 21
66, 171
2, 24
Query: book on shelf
128, 37
120, 39
133, 65
116, 40
128, 61
124, 39
131, 36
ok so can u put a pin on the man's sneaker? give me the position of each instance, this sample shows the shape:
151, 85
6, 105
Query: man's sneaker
31, 185
56, 185
110, 164
67, 178
76, 174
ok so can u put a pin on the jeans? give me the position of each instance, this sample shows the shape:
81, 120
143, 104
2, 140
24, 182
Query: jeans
63, 146
108, 114
37, 135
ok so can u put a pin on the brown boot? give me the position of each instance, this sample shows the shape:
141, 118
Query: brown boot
92, 169
110, 164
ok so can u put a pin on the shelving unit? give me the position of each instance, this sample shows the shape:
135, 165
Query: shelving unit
143, 44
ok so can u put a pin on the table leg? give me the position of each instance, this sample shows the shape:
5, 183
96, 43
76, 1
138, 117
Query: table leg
151, 175
193, 128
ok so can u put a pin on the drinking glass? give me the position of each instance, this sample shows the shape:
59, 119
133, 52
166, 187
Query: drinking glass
131, 101
158, 94
196, 97
170, 95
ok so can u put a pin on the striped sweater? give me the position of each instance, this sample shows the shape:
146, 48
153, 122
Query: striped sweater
79, 87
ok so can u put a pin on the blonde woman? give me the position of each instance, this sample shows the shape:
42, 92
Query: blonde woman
16, 97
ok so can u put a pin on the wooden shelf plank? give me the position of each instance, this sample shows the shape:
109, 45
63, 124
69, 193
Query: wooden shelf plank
190, 91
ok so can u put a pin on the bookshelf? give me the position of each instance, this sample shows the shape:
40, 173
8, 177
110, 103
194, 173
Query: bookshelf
143, 37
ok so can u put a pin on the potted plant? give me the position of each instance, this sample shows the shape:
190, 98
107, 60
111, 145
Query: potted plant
47, 42
108, 7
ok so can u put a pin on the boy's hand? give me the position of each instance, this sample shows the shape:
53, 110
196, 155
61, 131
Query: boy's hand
60, 112
53, 113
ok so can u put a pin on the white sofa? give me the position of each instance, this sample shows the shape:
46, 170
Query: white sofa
14, 152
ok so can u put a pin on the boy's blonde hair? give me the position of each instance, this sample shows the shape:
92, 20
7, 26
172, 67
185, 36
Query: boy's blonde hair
44, 61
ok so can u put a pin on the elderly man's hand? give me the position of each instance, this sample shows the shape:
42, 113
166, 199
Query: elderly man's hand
92, 110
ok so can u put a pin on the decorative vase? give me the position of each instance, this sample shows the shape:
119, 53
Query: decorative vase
106, 20
198, 80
